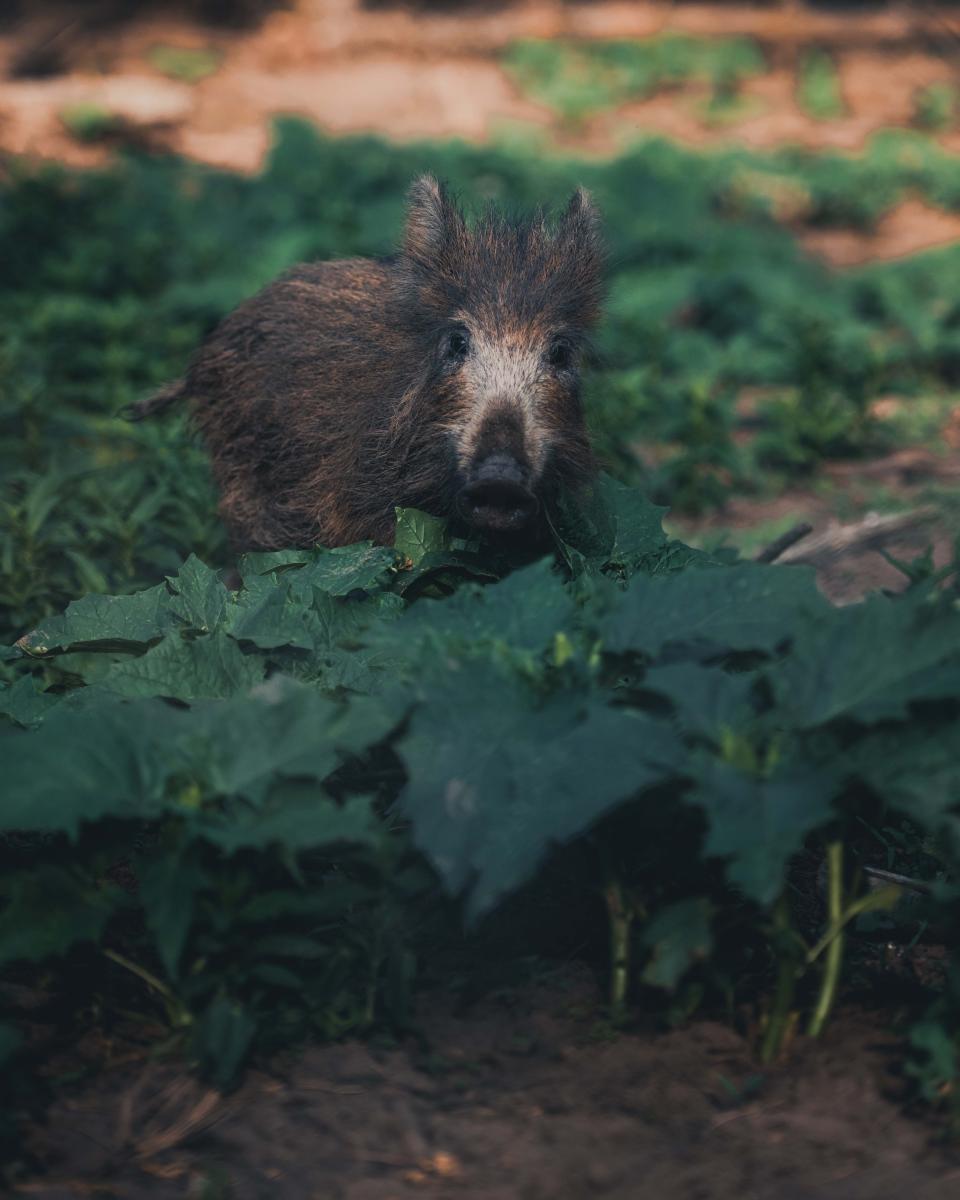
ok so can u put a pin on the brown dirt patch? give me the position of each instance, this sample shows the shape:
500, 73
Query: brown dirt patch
908, 228
513, 1100
409, 72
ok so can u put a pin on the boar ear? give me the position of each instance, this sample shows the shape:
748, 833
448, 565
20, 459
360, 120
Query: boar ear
579, 241
580, 222
433, 221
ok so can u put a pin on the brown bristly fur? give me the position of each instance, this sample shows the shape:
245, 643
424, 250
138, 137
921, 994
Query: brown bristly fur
330, 397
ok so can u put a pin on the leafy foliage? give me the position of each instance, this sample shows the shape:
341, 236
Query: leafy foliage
245, 799
578, 79
818, 86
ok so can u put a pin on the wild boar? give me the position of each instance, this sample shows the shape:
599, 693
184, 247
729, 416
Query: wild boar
445, 377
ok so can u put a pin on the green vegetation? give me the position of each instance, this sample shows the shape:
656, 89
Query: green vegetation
935, 107
190, 64
233, 811
89, 122
578, 79
818, 87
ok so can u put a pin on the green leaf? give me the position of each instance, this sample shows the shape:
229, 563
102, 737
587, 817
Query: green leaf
759, 823
140, 759
444, 567
915, 768
109, 759
106, 622
49, 909
865, 654
707, 700
296, 817
25, 703
744, 607
222, 1037
677, 936
212, 666
343, 570
494, 780
200, 598
524, 612
168, 887
607, 523
265, 562
418, 534
268, 619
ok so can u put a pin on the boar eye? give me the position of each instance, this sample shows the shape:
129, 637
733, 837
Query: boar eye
458, 343
560, 355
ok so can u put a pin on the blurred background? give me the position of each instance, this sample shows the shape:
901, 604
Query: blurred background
781, 191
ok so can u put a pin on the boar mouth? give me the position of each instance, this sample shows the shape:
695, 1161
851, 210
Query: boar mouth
498, 505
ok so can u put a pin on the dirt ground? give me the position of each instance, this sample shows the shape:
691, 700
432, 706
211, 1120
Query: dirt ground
517, 1098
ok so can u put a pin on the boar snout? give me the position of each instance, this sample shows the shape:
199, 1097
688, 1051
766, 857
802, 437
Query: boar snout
497, 496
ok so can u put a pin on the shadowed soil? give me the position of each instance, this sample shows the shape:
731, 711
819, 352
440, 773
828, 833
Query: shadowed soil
521, 1097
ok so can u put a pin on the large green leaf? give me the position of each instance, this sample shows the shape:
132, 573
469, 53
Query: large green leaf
865, 655
140, 759
25, 703
296, 816
200, 599
182, 669
108, 759
344, 569
418, 534
606, 523
707, 700
168, 886
495, 779
49, 909
758, 824
523, 612
743, 607
107, 622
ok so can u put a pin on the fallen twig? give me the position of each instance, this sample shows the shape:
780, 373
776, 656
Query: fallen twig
873, 531
783, 543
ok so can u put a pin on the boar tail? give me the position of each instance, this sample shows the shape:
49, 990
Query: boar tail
157, 402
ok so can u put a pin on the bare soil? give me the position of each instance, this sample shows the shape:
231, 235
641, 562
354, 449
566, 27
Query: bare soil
518, 1098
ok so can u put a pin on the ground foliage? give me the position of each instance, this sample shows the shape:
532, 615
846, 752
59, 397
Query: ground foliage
111, 277
578, 79
235, 811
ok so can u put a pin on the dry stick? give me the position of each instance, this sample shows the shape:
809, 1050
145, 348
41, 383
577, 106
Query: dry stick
874, 530
777, 547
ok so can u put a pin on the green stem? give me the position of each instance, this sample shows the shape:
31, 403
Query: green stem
834, 955
142, 973
882, 898
780, 1019
177, 1014
621, 915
